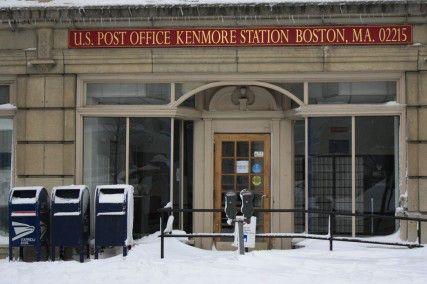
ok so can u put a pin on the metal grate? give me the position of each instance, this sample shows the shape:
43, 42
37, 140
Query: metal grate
330, 188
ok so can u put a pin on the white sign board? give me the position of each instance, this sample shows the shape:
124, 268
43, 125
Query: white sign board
249, 231
242, 167
258, 154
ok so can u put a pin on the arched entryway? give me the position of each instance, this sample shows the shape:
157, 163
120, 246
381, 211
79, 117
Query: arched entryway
248, 118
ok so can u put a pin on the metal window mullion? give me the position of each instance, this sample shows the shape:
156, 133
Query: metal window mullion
305, 99
171, 160
12, 153
173, 95
353, 174
397, 137
306, 172
181, 173
127, 150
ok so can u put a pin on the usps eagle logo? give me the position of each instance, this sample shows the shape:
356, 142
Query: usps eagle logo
21, 230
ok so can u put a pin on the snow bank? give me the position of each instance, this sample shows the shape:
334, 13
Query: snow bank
313, 263
85, 3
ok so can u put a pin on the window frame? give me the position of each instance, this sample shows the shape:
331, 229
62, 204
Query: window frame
11, 82
11, 114
353, 111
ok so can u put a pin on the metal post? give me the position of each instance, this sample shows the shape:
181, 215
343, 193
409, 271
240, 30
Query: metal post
162, 239
331, 231
88, 251
61, 252
241, 241
372, 218
52, 252
82, 251
419, 232
38, 249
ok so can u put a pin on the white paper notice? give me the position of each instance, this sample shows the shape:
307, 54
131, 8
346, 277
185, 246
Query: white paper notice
249, 231
242, 167
258, 154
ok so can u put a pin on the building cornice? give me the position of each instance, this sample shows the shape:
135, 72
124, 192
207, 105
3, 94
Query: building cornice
235, 12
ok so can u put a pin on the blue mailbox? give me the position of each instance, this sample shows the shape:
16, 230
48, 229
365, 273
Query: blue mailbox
28, 219
113, 216
70, 219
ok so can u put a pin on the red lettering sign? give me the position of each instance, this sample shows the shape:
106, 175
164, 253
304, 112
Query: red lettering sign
223, 37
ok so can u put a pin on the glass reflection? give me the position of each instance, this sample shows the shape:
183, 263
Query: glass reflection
376, 168
352, 92
149, 170
104, 152
128, 94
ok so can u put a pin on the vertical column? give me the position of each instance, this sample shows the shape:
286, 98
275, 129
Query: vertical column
407, 198
208, 184
275, 183
198, 177
46, 134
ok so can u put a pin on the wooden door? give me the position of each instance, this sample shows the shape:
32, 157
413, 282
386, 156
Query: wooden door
242, 161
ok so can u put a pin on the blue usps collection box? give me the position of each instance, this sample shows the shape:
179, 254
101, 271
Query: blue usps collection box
113, 217
28, 219
70, 213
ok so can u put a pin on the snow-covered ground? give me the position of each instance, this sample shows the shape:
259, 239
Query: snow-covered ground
348, 263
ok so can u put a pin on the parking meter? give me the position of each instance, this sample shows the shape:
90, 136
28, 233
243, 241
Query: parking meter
230, 205
247, 204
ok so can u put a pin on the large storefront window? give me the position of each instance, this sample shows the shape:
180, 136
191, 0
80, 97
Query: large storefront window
329, 172
149, 170
5, 169
146, 143
376, 168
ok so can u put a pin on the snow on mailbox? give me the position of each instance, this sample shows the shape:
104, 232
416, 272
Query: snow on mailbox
113, 216
70, 218
28, 219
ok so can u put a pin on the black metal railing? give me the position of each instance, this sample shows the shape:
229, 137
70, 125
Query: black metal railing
331, 237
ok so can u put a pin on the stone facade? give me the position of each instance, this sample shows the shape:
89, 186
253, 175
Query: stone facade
34, 51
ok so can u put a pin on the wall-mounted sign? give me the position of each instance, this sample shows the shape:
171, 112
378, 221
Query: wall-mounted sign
249, 234
242, 167
256, 180
256, 168
229, 37
258, 154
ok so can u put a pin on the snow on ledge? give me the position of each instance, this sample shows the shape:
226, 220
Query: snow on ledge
103, 3
7, 106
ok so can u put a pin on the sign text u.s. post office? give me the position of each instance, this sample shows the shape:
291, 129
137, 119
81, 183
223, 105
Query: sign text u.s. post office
235, 37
